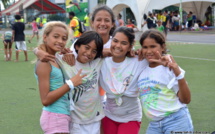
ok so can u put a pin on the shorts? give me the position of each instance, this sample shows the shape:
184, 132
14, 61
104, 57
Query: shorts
112, 127
52, 123
177, 122
35, 32
7, 41
92, 128
20, 45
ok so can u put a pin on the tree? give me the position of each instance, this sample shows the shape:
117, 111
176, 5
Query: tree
7, 3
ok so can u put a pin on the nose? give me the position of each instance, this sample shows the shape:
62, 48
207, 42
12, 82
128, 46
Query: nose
89, 53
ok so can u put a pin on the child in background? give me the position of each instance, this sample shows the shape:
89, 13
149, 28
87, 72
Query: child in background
164, 92
85, 103
19, 37
160, 27
53, 90
35, 30
7, 40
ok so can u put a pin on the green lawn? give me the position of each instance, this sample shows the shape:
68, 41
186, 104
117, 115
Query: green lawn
20, 101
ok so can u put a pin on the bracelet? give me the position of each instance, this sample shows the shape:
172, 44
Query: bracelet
70, 84
180, 76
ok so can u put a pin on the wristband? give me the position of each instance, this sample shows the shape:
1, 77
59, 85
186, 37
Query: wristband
180, 76
70, 84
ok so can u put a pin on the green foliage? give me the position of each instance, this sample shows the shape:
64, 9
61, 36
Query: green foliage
55, 17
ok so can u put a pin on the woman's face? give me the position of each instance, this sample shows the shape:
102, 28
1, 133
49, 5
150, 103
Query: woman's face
102, 23
120, 46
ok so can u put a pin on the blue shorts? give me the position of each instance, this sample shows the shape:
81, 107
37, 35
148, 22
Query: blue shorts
177, 122
7, 41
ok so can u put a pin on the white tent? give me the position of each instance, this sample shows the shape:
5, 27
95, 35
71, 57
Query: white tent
139, 7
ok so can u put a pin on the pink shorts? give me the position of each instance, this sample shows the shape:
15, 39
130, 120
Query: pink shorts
112, 127
54, 123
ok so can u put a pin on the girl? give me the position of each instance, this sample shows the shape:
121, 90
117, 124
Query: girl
35, 30
164, 92
85, 105
53, 92
7, 40
119, 75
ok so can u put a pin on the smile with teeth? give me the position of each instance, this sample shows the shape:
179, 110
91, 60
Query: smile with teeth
117, 50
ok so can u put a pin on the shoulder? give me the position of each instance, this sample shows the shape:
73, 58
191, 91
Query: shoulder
43, 67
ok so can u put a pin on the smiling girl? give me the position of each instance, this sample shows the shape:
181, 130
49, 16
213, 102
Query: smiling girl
119, 75
53, 91
164, 92
85, 105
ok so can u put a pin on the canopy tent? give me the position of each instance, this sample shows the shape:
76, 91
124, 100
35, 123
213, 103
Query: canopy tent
139, 7
44, 6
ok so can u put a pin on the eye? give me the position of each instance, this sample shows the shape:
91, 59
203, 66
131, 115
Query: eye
87, 47
124, 43
94, 51
114, 40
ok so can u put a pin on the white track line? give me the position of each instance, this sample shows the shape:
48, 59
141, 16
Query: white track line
193, 58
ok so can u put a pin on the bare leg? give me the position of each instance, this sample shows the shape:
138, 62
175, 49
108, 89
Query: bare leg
5, 51
26, 55
10, 51
17, 56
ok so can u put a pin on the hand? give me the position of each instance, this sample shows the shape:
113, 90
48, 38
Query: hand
44, 56
77, 79
174, 66
131, 53
65, 51
106, 52
69, 58
162, 60
140, 54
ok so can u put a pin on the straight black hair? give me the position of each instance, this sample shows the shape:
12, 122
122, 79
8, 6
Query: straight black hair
86, 38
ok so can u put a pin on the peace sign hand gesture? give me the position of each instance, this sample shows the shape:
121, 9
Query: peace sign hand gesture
77, 79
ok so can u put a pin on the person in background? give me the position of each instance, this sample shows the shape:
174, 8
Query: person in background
38, 20
150, 21
160, 27
34, 30
7, 40
121, 22
165, 21
44, 20
19, 38
190, 20
163, 90
74, 25
87, 22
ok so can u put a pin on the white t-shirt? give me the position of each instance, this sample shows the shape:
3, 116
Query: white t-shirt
119, 80
157, 100
85, 104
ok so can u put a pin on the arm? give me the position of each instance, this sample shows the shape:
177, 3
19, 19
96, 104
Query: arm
43, 56
106, 52
48, 97
184, 91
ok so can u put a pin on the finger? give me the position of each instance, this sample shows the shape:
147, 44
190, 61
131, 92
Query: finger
172, 58
79, 72
158, 55
83, 76
50, 59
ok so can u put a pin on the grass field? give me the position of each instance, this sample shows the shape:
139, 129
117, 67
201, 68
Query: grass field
21, 107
